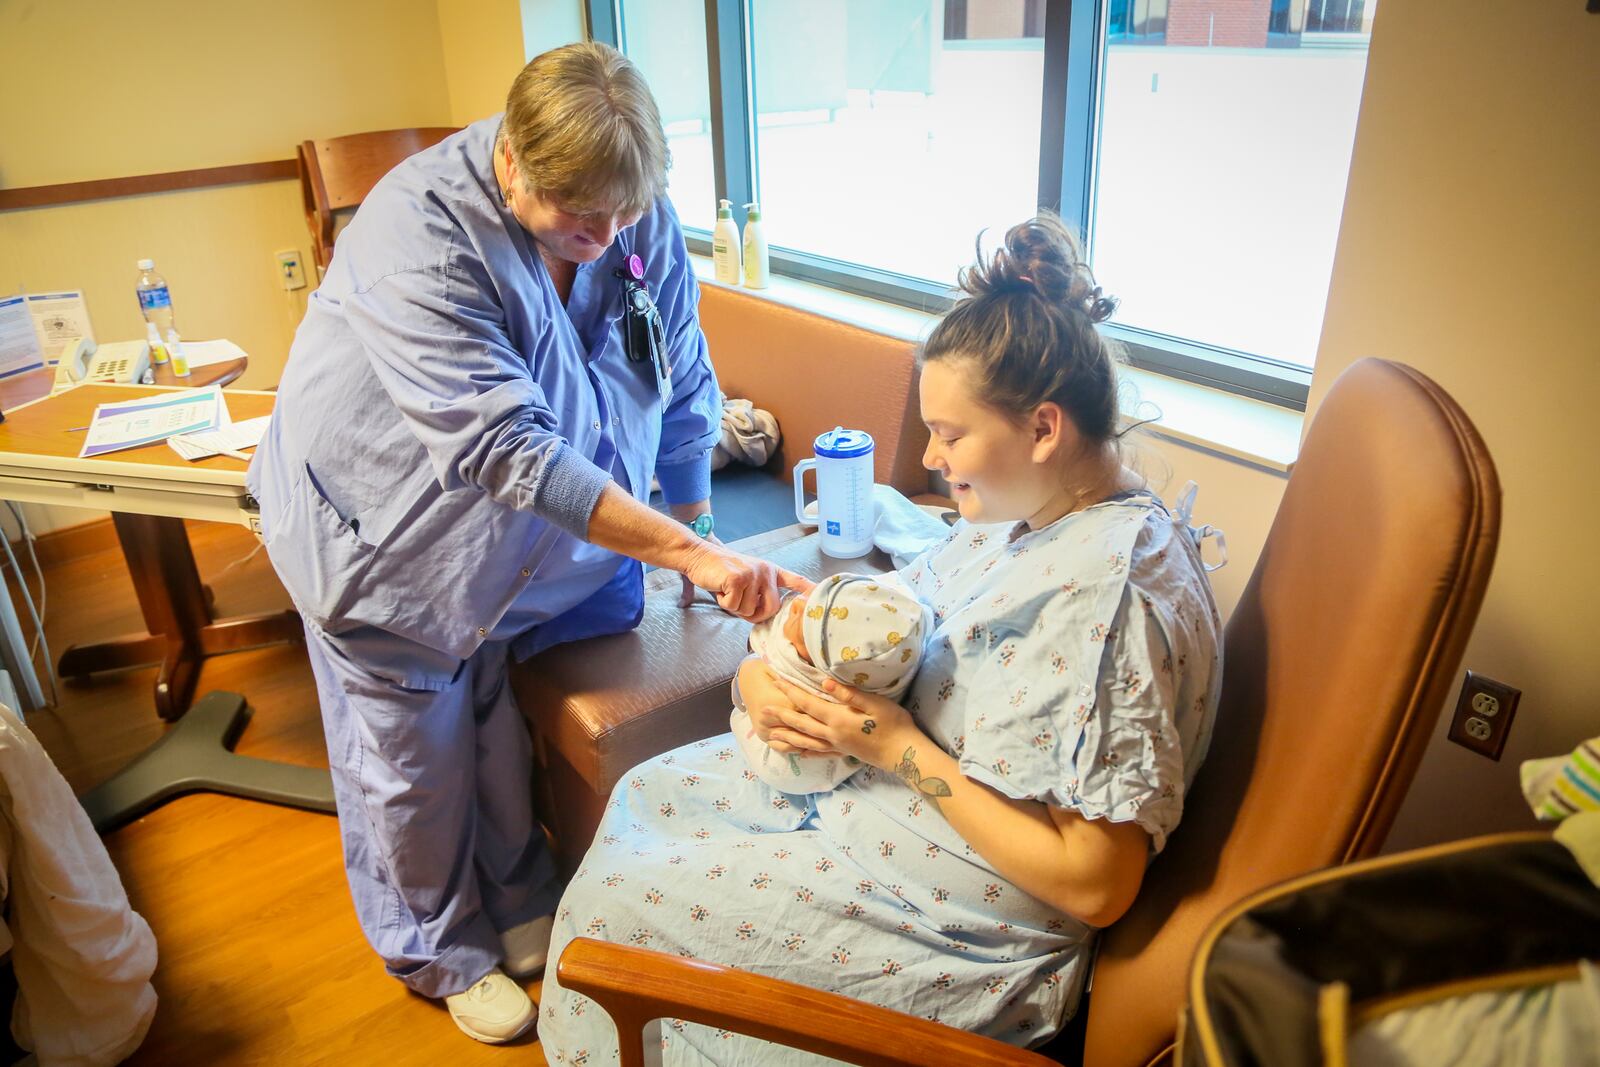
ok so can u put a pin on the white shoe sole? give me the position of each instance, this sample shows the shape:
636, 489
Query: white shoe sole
533, 1018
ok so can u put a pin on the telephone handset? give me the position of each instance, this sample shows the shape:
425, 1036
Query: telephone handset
117, 361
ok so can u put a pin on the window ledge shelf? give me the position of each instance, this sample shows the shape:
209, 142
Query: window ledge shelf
1252, 432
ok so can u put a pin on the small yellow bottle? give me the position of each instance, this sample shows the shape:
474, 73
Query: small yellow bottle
158, 347
180, 362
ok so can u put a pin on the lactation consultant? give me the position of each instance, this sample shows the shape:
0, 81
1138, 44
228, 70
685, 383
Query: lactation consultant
504, 351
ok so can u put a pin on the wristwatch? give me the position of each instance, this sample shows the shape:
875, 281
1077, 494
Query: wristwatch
702, 525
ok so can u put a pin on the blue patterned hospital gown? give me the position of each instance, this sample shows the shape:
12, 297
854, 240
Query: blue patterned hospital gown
1077, 665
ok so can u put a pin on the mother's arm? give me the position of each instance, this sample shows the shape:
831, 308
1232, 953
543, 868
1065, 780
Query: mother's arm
1089, 868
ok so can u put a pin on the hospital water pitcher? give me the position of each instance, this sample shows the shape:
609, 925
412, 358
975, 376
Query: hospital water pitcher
845, 512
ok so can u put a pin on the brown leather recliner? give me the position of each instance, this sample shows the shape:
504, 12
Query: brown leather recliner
1337, 659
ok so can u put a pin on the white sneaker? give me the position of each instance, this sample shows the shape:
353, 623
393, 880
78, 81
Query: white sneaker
493, 1011
527, 947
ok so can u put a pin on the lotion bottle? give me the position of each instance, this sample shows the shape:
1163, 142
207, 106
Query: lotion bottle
180, 362
158, 347
756, 272
725, 245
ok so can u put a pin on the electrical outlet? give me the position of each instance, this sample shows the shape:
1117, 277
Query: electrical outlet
290, 271
1483, 715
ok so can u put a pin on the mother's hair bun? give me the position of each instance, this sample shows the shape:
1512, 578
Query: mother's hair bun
1042, 255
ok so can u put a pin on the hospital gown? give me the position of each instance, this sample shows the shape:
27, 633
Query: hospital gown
1077, 664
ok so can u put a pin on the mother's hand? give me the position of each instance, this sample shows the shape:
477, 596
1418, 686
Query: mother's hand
872, 728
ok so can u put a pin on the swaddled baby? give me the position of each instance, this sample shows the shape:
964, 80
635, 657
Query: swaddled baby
866, 632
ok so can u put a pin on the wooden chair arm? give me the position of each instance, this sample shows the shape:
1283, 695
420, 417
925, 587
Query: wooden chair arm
636, 986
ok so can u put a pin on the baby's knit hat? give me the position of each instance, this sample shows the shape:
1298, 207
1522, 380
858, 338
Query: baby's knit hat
867, 632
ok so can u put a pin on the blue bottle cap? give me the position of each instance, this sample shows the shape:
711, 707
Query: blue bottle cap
840, 443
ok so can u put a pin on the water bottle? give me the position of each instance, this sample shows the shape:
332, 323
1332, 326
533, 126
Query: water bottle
846, 515
155, 302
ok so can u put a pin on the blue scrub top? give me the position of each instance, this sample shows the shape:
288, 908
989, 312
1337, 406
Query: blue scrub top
444, 425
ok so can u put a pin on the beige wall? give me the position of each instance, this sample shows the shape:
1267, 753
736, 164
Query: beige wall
174, 84
1469, 249
482, 41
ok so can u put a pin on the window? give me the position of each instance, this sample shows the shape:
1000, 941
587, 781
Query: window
870, 123
1202, 146
666, 39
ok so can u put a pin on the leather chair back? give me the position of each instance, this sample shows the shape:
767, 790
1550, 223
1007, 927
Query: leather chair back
1337, 660
815, 373
338, 172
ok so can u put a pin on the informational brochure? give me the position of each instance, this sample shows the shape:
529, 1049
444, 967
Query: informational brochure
227, 440
19, 344
150, 419
59, 319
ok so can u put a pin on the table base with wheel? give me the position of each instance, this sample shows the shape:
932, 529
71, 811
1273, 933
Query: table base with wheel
149, 492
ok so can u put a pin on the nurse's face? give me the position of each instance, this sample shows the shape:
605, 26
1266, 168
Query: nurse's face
1000, 469
562, 231
572, 236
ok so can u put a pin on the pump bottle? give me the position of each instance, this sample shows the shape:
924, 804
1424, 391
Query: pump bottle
756, 266
725, 245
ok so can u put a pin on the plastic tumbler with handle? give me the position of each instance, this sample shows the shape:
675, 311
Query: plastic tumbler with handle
845, 513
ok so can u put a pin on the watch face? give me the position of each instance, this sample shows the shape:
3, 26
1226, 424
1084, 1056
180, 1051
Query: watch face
703, 525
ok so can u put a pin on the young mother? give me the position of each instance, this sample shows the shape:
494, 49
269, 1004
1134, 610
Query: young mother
1041, 758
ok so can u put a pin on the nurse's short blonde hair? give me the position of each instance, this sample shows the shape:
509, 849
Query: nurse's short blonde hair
585, 131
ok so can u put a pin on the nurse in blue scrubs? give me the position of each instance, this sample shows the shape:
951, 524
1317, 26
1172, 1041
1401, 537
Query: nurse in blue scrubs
457, 471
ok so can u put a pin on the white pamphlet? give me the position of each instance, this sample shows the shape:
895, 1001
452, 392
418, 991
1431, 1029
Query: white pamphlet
152, 419
19, 344
59, 319
228, 440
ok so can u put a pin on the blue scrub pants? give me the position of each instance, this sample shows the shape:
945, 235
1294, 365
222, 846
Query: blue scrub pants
434, 792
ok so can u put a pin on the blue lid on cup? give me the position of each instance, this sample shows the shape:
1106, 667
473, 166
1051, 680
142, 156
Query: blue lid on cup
840, 443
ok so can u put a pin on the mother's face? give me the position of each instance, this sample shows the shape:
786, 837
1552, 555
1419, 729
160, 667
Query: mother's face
999, 468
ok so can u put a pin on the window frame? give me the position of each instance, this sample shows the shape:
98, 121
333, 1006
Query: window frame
1074, 49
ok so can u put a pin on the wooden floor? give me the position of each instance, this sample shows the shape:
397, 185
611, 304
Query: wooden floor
261, 958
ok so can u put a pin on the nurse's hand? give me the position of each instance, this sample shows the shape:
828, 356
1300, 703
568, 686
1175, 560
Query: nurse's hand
743, 585
686, 595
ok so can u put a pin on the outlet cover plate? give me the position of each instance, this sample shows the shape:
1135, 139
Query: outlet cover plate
291, 269
1483, 715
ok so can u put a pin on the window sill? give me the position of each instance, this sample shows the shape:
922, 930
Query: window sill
1252, 432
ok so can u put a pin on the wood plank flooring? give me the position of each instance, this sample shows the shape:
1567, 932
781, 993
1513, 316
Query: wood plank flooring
261, 958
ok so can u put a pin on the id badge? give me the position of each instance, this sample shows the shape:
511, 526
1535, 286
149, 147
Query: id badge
663, 375
644, 336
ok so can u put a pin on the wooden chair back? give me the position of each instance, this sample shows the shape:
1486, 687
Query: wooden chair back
337, 173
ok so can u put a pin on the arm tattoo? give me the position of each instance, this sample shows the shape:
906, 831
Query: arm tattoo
908, 772
869, 726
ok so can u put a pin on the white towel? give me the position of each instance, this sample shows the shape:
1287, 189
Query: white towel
904, 529
749, 435
83, 956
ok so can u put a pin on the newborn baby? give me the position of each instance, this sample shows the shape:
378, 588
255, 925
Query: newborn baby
866, 632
